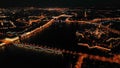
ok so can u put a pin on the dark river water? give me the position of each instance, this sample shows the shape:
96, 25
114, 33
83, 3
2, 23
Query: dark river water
57, 36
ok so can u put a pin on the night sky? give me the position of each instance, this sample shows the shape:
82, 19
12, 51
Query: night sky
59, 3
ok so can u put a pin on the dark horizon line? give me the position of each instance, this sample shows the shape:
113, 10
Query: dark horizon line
60, 3
62, 6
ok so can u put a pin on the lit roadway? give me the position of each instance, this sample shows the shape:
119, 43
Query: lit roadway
41, 28
27, 35
48, 24
94, 21
114, 59
102, 26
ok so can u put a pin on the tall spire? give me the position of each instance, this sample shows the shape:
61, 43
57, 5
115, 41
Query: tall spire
85, 15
